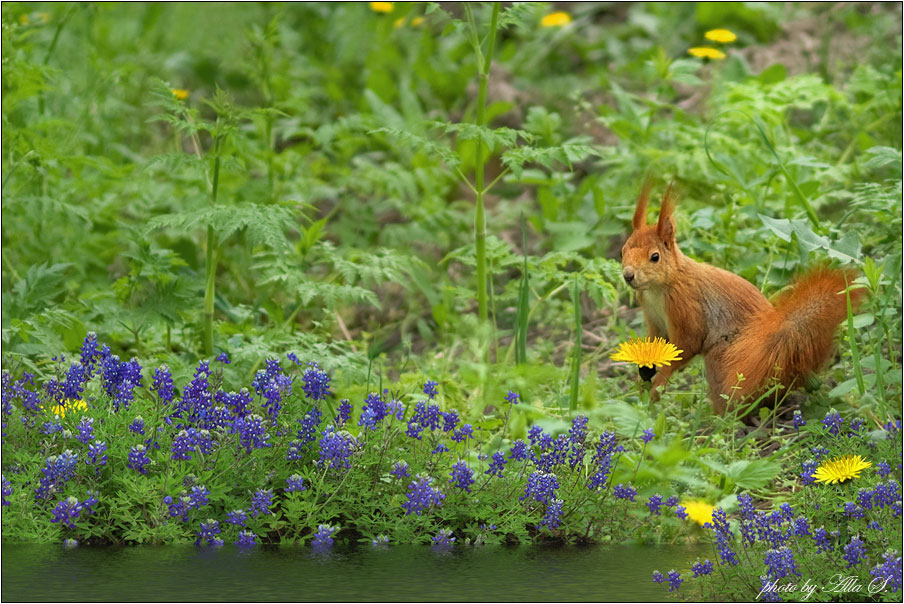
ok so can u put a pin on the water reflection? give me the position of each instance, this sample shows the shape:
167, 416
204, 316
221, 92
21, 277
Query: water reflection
396, 573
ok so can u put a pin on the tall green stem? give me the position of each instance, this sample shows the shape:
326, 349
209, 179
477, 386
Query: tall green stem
480, 233
211, 266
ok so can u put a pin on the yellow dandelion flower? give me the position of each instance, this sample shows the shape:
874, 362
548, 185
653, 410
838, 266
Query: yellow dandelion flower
414, 22
646, 352
841, 469
24, 20
67, 405
705, 52
179, 93
45, 17
720, 35
555, 20
699, 511
381, 7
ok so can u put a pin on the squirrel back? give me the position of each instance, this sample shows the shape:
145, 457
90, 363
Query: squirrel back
706, 310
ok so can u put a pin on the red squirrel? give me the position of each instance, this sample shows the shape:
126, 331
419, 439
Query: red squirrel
705, 310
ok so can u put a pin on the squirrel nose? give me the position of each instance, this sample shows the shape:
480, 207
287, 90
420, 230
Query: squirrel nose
628, 274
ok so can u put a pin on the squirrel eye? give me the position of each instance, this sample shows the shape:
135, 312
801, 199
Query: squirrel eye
654, 257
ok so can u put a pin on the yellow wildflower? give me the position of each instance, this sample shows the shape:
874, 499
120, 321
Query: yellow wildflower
699, 511
705, 52
559, 19
67, 405
180, 93
381, 7
24, 20
45, 17
414, 22
720, 35
647, 352
841, 469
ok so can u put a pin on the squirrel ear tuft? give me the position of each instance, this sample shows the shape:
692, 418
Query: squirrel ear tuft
665, 228
640, 213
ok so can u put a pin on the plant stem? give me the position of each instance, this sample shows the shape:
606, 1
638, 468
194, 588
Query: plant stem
480, 236
211, 265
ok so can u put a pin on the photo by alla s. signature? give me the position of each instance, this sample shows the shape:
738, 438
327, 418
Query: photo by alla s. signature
837, 584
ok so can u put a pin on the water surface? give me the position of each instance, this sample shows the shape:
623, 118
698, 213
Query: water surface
44, 573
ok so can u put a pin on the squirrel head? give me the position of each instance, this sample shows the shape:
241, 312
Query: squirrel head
650, 253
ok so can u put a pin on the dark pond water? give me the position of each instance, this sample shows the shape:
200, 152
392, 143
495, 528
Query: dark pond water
40, 573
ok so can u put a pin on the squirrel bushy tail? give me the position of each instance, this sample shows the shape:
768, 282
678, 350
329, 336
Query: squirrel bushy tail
792, 339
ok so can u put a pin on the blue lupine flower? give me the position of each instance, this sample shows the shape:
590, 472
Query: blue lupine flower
809, 468
261, 502
513, 398
239, 403
6, 491
421, 496
883, 469
427, 415
223, 358
308, 431
855, 551
852, 510
68, 509
89, 354
681, 512
97, 455
462, 475
316, 382
706, 568
541, 487
672, 501
875, 526
889, 571
272, 384
462, 434
295, 450
195, 499
252, 432
237, 517
345, 412
534, 435
443, 539
497, 466
324, 536
58, 469
768, 593
657, 577
400, 470
209, 531
137, 426
75, 381
373, 411
648, 435
138, 459
801, 527
519, 451
823, 543
819, 452
336, 449
440, 448
624, 492
397, 409
833, 422
246, 537
799, 420
49, 428
675, 580
380, 541
450, 420
553, 517
654, 504
780, 563
430, 389
295, 483
724, 536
